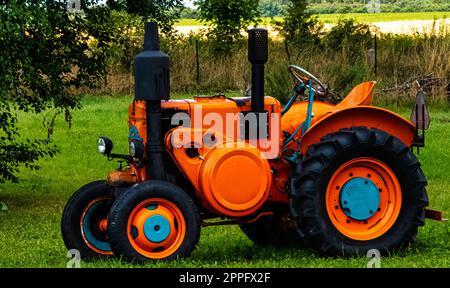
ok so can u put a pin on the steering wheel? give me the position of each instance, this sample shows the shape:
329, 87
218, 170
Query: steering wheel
303, 76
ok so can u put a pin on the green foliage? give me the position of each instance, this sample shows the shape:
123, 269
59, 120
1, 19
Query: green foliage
350, 35
278, 81
360, 6
163, 12
272, 8
41, 44
227, 19
340, 52
349, 76
189, 13
299, 27
47, 51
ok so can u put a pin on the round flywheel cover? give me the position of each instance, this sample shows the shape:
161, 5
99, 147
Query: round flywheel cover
235, 182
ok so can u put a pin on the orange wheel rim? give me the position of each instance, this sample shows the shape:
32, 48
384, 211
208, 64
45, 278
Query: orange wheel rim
377, 175
156, 228
93, 225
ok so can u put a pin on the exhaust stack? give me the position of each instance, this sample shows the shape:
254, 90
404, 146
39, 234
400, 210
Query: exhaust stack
152, 68
152, 85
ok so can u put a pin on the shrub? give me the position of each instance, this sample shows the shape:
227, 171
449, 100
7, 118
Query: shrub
228, 18
350, 35
298, 26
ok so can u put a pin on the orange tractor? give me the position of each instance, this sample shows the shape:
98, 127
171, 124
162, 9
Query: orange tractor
341, 179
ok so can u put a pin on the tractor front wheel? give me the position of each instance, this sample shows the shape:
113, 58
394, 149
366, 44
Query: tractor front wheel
359, 189
153, 220
84, 220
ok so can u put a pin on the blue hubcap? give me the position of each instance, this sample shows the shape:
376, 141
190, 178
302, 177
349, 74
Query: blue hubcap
97, 243
156, 228
360, 198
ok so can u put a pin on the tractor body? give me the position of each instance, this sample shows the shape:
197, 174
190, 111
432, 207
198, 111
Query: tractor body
233, 176
309, 171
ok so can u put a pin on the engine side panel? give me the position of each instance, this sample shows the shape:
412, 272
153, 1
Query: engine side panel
231, 176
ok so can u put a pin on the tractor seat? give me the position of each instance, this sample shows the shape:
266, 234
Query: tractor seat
360, 95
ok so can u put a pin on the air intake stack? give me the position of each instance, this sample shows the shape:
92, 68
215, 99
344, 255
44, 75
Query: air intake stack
258, 56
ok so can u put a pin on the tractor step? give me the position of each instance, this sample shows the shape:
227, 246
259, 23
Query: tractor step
435, 215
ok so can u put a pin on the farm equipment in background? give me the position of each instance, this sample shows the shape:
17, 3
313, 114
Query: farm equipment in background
341, 178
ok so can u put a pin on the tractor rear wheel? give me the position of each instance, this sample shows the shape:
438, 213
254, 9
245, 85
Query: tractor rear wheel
153, 220
84, 220
276, 230
359, 189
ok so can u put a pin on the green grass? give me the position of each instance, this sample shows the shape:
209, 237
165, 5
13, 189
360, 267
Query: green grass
30, 230
361, 17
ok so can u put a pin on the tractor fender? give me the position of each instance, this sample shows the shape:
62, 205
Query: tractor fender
367, 116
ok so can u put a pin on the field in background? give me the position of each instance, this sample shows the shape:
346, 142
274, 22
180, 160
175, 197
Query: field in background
30, 230
341, 63
384, 17
361, 17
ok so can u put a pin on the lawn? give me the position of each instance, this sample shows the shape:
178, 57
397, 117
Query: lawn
30, 229
362, 17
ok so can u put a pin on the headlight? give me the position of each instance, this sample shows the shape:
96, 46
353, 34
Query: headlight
105, 145
136, 149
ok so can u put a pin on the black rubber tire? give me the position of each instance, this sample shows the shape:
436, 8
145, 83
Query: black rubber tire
71, 217
307, 201
277, 230
127, 201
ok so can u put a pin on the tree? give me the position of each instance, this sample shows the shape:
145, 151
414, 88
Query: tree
228, 18
189, 13
46, 51
272, 8
37, 40
299, 27
162, 11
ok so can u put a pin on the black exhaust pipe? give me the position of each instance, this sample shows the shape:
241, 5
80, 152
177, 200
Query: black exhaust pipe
152, 85
258, 54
